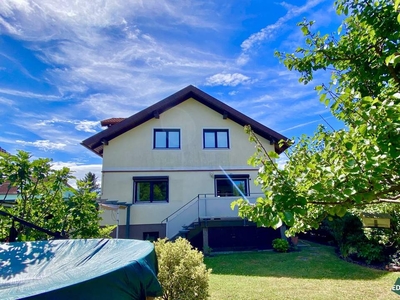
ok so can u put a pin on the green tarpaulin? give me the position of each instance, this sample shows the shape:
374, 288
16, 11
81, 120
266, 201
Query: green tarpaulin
78, 269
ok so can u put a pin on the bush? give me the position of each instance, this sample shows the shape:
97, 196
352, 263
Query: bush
182, 272
280, 245
371, 252
352, 241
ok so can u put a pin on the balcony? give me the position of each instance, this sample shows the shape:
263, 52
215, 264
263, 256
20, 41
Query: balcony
203, 207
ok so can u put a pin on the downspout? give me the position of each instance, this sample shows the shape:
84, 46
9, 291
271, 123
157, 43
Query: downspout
128, 221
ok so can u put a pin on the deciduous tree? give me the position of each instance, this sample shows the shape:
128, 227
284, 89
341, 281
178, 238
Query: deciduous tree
46, 200
336, 170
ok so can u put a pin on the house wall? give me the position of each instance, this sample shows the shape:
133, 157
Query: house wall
190, 169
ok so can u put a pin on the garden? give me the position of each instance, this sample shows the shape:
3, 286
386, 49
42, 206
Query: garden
313, 272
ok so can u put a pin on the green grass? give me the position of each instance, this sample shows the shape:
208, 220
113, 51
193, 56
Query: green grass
315, 272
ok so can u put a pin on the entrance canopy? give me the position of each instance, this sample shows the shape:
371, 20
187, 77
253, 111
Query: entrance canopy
79, 269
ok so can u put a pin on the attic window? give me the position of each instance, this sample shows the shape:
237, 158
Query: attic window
167, 139
215, 138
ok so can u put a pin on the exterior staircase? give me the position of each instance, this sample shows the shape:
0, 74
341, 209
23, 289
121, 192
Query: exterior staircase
189, 219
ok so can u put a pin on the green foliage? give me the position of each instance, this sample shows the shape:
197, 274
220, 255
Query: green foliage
280, 245
389, 237
182, 272
352, 240
46, 200
91, 180
333, 172
344, 229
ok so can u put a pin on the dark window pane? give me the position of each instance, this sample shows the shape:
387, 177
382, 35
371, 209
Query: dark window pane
159, 191
151, 236
240, 186
226, 188
150, 189
143, 191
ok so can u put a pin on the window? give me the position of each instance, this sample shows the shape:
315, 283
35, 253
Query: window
151, 236
150, 189
167, 139
231, 185
215, 138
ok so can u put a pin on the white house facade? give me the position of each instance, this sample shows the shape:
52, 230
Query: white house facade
175, 167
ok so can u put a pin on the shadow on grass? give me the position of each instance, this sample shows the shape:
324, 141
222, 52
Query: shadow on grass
313, 261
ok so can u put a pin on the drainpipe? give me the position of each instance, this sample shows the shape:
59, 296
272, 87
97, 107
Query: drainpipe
198, 208
128, 221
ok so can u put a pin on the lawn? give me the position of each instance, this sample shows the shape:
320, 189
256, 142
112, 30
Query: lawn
314, 272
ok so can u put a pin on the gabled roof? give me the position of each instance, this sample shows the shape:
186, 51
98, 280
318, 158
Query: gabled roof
97, 141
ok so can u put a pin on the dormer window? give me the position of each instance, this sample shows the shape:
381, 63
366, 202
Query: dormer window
215, 138
167, 139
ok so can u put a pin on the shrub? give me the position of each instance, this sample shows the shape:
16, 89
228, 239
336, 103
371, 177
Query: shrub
371, 252
280, 245
182, 272
352, 240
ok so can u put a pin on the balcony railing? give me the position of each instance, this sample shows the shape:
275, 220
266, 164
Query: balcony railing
203, 206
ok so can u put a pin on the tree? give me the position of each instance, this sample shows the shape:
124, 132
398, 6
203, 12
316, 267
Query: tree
46, 200
335, 171
91, 180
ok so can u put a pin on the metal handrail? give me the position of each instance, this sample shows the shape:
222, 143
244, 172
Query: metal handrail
196, 198
179, 209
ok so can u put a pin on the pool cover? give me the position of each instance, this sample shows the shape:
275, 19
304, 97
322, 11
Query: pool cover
79, 269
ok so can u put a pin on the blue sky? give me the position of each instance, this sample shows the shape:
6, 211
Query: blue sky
66, 65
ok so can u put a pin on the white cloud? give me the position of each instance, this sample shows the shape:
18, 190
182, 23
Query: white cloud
5, 101
102, 47
80, 125
26, 94
44, 145
87, 126
233, 93
79, 170
227, 79
269, 32
300, 125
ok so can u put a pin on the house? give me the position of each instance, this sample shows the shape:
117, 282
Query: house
8, 194
175, 167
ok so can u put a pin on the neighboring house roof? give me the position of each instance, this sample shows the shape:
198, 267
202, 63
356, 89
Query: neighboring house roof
8, 196
13, 192
97, 141
4, 188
